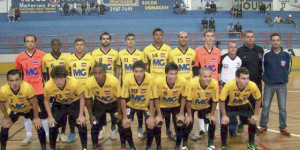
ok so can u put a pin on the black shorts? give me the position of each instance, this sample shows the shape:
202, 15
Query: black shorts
245, 110
203, 114
14, 116
100, 109
168, 111
59, 110
131, 111
43, 113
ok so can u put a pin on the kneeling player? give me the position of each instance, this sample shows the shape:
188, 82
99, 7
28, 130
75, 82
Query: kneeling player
106, 90
22, 102
69, 99
203, 96
238, 90
137, 87
167, 92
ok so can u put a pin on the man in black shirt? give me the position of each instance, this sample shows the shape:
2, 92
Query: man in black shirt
204, 24
251, 56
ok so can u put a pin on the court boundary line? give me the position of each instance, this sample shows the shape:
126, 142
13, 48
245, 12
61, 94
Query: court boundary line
275, 131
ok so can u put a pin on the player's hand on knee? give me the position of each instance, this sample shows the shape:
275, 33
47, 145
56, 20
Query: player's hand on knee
188, 120
254, 119
92, 119
81, 120
180, 120
126, 123
212, 119
37, 123
150, 122
51, 121
6, 123
158, 121
225, 120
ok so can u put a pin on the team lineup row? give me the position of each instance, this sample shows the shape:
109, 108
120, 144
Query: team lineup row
168, 89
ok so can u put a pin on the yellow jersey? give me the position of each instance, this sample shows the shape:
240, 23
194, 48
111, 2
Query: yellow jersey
139, 95
238, 97
109, 59
80, 69
108, 93
184, 61
169, 96
68, 94
126, 60
199, 97
49, 61
157, 59
18, 102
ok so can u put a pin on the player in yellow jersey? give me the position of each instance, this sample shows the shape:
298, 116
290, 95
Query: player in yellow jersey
55, 58
106, 55
79, 65
203, 96
183, 56
22, 101
126, 59
156, 55
238, 92
106, 90
137, 89
69, 99
168, 90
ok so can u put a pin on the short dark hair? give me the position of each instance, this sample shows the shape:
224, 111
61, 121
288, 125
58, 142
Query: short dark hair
208, 30
240, 71
248, 31
13, 72
59, 72
78, 39
274, 34
105, 33
29, 35
139, 64
157, 30
99, 65
128, 35
53, 40
171, 66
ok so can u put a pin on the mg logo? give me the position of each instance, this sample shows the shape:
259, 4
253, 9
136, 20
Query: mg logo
158, 62
200, 102
170, 99
128, 66
79, 72
182, 67
211, 67
139, 98
31, 72
107, 66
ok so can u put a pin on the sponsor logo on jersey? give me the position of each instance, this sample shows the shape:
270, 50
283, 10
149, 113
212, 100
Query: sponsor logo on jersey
213, 59
187, 59
107, 92
162, 55
35, 63
174, 92
207, 94
21, 99
61, 63
283, 62
143, 91
109, 59
68, 95
83, 64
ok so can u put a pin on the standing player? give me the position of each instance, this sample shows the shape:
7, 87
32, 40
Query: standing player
29, 62
167, 92
207, 56
203, 96
137, 88
126, 59
238, 90
230, 62
107, 55
69, 99
156, 55
79, 66
55, 58
109, 58
22, 101
106, 90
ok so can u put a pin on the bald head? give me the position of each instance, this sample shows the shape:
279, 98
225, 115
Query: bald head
182, 38
203, 70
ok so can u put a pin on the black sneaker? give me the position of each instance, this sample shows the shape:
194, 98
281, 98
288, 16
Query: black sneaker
177, 147
232, 133
261, 131
240, 128
285, 132
201, 134
170, 134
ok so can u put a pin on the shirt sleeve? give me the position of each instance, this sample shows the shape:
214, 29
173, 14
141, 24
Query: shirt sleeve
117, 89
30, 91
224, 93
18, 65
67, 64
184, 91
46, 91
155, 90
197, 61
145, 56
125, 89
2, 95
256, 93
190, 91
119, 61
79, 90
215, 96
87, 91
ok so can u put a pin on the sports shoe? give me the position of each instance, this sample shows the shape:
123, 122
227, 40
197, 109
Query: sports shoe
261, 131
71, 137
58, 138
101, 134
193, 136
223, 148
113, 134
177, 147
211, 147
240, 128
170, 134
63, 138
232, 133
97, 149
140, 132
123, 148
148, 148
285, 132
184, 148
201, 135
26, 141
132, 148
159, 147
253, 147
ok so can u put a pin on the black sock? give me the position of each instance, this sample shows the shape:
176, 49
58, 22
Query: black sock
157, 135
94, 134
224, 132
63, 124
129, 136
251, 132
150, 135
83, 135
167, 121
211, 134
42, 138
140, 119
179, 133
72, 125
4, 138
53, 131
122, 134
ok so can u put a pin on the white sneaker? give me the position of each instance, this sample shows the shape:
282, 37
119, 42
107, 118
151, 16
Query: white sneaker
113, 134
193, 136
26, 141
184, 148
63, 138
101, 134
212, 147
58, 137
